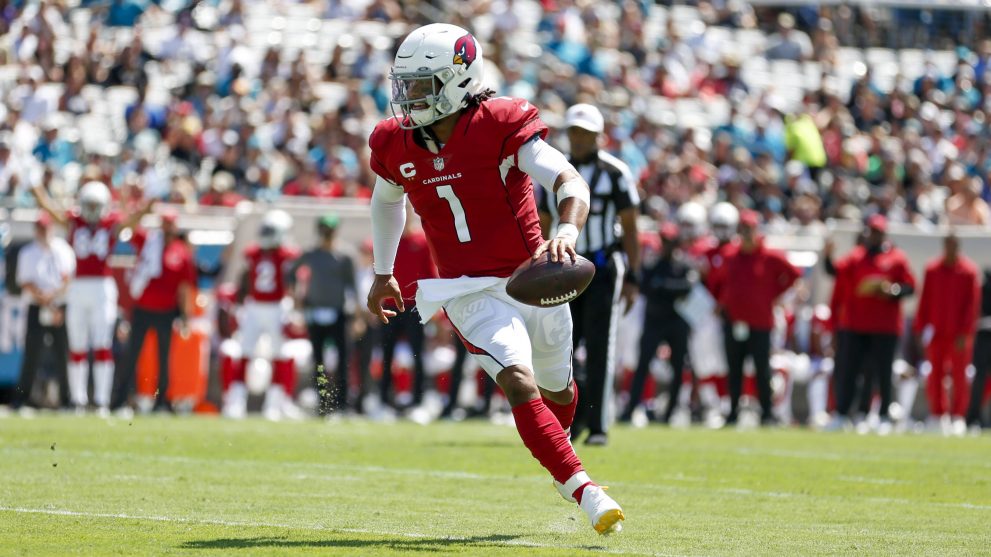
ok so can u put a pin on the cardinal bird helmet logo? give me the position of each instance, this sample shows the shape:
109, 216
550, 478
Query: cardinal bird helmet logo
465, 49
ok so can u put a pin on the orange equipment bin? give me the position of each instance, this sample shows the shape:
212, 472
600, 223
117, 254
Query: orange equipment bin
189, 359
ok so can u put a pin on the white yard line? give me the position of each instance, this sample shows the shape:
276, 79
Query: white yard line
874, 481
463, 475
841, 456
317, 528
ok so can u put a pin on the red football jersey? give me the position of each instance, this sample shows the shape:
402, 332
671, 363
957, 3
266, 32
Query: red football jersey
477, 208
174, 264
93, 244
267, 272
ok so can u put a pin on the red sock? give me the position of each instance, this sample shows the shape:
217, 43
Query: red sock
565, 413
722, 385
231, 371
542, 434
285, 374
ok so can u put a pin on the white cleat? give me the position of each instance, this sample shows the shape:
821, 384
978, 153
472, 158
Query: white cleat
291, 411
145, 404
603, 512
946, 425
272, 407
236, 401
639, 419
959, 427
419, 415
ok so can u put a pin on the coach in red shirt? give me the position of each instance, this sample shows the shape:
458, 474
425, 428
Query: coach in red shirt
752, 278
876, 276
161, 284
947, 320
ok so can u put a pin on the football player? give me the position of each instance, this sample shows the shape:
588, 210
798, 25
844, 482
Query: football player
264, 314
91, 310
710, 365
464, 160
691, 219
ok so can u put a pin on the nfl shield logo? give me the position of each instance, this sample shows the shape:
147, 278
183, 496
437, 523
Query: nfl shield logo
439, 164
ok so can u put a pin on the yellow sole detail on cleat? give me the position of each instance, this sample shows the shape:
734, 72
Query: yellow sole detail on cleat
609, 520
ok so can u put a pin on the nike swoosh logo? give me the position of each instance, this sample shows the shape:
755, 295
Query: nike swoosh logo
525, 106
429, 57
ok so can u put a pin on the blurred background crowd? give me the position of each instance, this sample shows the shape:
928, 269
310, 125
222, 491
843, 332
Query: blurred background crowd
805, 115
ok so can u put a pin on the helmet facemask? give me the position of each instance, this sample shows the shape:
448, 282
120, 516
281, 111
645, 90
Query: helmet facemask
91, 211
274, 229
419, 99
723, 232
94, 200
269, 237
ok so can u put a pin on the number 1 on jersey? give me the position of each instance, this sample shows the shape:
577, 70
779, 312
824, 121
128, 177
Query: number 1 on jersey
460, 221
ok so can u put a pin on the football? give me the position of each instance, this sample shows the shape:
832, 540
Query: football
544, 283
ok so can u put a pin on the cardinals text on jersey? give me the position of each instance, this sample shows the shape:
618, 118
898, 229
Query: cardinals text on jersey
476, 206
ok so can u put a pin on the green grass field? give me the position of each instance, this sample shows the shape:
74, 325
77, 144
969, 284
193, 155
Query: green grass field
205, 487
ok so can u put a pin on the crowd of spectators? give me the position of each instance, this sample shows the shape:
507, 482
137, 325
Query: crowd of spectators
802, 115
215, 103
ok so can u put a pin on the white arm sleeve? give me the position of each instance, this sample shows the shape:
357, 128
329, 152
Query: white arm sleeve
388, 219
542, 162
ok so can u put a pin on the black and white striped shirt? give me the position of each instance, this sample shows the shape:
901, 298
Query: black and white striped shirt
612, 190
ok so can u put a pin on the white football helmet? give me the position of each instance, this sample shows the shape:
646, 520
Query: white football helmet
437, 69
94, 201
723, 220
691, 219
275, 227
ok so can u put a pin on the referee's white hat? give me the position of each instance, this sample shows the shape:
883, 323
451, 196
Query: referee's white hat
584, 116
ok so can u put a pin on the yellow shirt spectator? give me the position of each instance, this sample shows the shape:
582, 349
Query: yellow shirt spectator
803, 141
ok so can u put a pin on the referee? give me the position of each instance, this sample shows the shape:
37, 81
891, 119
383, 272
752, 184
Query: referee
610, 233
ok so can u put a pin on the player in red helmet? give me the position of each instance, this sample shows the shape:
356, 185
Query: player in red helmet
465, 161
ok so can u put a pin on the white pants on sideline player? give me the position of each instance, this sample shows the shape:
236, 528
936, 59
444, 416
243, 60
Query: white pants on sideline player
259, 319
90, 317
503, 332
708, 359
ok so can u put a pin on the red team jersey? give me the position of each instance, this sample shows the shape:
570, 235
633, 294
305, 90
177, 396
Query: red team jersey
477, 208
93, 244
267, 272
177, 266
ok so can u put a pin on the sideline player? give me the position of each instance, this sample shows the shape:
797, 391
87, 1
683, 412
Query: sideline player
91, 306
265, 283
465, 159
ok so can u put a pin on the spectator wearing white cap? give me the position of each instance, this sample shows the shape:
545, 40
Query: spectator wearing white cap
616, 255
